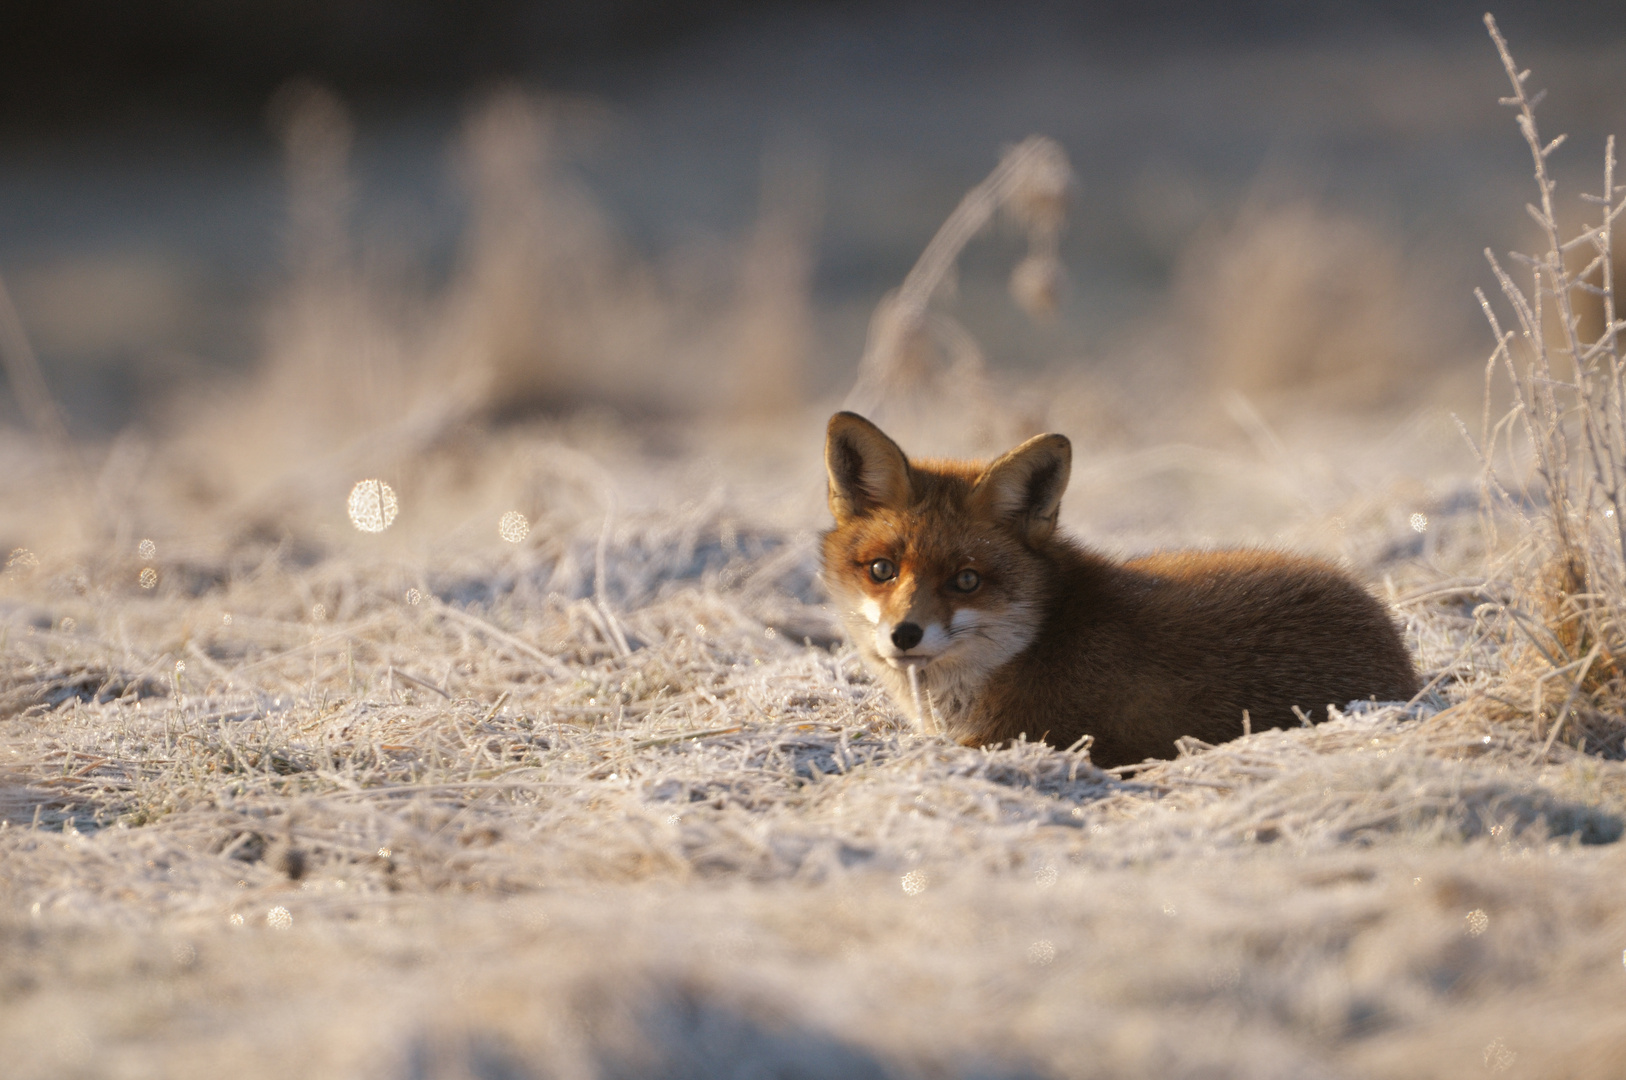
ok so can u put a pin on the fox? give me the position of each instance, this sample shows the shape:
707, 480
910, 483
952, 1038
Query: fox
985, 624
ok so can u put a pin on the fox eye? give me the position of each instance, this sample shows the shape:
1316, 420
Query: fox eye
967, 580
882, 570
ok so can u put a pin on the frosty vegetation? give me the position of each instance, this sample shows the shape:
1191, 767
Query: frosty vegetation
562, 771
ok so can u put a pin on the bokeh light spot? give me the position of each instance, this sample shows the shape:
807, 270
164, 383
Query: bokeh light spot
147, 549
414, 597
1419, 523
372, 506
278, 918
148, 578
21, 561
1041, 953
513, 527
1478, 922
915, 882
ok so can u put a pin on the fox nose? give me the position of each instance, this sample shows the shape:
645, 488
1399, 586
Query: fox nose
906, 635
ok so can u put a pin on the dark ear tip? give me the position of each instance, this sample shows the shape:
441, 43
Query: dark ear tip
846, 419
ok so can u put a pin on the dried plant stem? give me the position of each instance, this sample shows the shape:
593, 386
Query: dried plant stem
1032, 178
1569, 403
601, 596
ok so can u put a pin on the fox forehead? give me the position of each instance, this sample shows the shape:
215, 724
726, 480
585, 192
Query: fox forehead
921, 544
939, 492
935, 534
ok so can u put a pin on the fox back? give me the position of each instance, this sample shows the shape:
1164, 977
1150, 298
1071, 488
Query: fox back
985, 624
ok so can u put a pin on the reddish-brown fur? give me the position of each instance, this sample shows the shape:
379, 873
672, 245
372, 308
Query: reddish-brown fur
1057, 642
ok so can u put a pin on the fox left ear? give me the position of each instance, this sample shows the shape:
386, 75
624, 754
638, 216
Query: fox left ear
1024, 487
867, 469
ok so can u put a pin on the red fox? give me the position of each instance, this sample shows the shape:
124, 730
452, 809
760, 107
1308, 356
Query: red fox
985, 624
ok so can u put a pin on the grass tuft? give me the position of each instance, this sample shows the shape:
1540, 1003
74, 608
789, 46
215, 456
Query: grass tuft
1560, 478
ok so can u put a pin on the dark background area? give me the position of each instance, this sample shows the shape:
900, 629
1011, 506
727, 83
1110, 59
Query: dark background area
72, 63
143, 208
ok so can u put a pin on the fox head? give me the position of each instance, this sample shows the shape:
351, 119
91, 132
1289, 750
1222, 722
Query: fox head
938, 567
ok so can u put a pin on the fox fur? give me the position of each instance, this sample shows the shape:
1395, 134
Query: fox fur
984, 623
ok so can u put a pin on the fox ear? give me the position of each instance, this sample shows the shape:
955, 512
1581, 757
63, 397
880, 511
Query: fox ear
1024, 487
867, 470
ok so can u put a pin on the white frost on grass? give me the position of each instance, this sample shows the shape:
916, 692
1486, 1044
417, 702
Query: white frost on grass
490, 831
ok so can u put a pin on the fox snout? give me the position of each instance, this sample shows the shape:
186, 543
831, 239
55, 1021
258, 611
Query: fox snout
908, 640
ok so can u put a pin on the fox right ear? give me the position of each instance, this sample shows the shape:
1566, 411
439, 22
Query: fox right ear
1024, 487
867, 469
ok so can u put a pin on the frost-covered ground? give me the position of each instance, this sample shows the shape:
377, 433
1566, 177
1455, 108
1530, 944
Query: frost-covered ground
614, 801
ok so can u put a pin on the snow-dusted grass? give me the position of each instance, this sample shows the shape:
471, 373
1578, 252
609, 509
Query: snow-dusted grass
473, 836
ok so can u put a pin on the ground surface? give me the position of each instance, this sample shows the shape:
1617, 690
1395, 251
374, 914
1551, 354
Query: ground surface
614, 801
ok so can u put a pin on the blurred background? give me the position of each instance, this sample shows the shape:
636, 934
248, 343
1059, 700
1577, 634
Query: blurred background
661, 208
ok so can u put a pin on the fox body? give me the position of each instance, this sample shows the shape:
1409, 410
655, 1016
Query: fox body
985, 624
